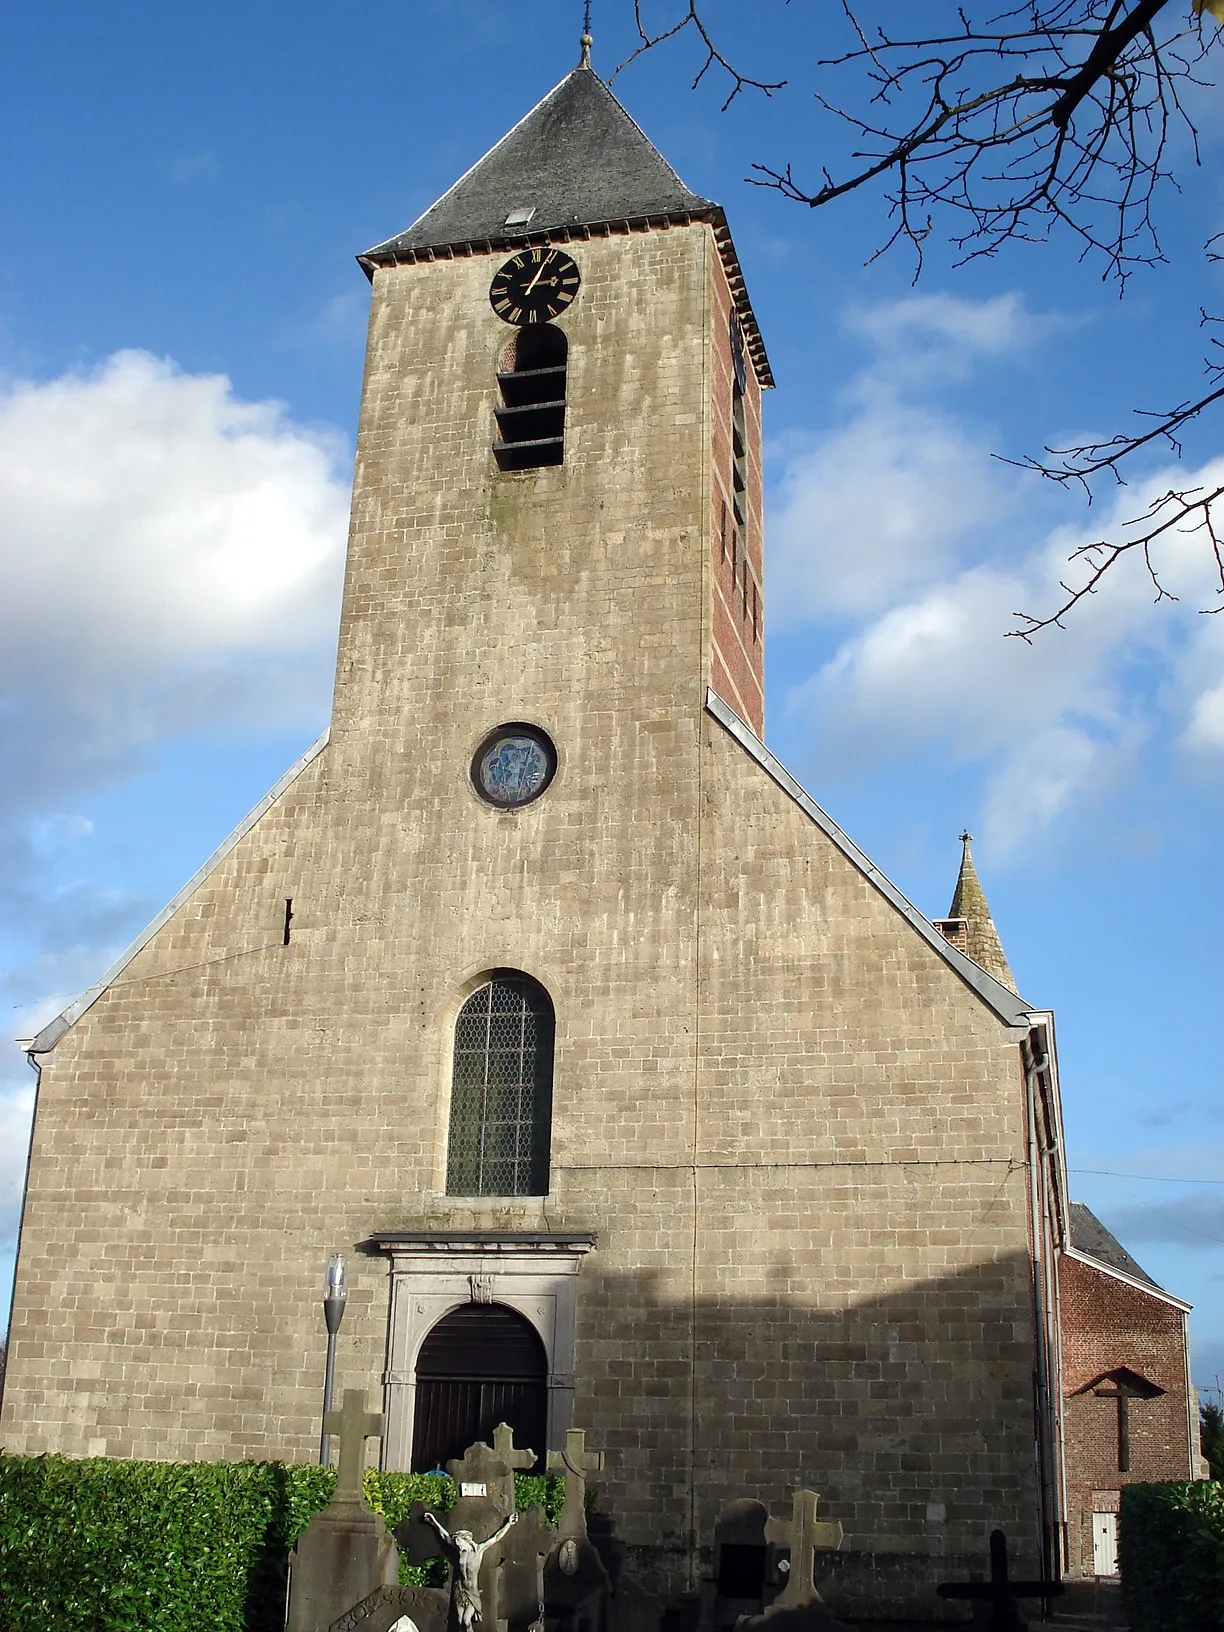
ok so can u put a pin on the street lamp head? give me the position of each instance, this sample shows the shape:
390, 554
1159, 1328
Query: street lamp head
335, 1291
335, 1276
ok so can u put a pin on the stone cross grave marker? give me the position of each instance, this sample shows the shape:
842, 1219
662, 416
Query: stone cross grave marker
999, 1592
484, 1482
805, 1535
576, 1462
354, 1425
344, 1558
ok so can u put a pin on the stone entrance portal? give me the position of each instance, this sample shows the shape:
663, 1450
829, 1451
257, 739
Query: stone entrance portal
481, 1365
435, 1274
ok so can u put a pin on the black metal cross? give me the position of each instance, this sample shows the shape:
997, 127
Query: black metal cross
999, 1591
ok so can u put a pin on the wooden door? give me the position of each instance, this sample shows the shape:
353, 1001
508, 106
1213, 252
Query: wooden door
482, 1364
1104, 1544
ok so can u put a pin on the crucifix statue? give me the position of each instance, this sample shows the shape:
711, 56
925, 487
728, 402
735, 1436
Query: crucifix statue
805, 1535
468, 1553
575, 1461
354, 1425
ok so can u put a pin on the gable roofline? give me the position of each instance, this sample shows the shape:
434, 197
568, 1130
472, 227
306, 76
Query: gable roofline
1010, 1008
55, 1029
1149, 1287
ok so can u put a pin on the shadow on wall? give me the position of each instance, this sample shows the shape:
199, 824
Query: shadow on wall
911, 1414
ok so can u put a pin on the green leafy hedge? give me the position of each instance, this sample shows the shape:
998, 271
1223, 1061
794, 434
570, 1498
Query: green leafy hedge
1171, 1555
107, 1546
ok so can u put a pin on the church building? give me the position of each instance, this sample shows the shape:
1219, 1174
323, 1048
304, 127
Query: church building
640, 1100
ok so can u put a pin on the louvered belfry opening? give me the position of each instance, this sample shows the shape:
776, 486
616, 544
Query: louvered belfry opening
501, 1090
482, 1364
531, 414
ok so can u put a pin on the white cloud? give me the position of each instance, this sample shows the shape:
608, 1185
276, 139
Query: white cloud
899, 524
945, 334
876, 508
902, 492
16, 1109
169, 555
170, 561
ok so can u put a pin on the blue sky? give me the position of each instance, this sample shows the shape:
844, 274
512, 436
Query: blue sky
181, 333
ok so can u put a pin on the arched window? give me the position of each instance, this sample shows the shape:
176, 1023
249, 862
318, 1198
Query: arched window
501, 1090
531, 414
482, 1364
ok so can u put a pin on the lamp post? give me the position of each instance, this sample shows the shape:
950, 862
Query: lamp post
335, 1294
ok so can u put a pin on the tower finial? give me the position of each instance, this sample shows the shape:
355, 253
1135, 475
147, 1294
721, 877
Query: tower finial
586, 41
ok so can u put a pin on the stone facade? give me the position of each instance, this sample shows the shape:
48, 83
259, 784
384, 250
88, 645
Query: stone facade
792, 1118
1112, 1323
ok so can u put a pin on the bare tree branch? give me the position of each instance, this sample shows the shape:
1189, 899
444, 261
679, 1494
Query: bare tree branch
1162, 517
1052, 115
714, 57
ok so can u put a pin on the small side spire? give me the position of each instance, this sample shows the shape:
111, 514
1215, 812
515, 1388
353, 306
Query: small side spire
586, 42
980, 937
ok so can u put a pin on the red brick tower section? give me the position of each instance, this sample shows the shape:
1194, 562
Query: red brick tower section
737, 655
1128, 1409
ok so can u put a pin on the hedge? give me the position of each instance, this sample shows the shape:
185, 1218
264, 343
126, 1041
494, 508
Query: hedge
109, 1546
1171, 1555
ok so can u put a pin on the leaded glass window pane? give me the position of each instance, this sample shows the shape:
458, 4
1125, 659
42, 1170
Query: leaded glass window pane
501, 1091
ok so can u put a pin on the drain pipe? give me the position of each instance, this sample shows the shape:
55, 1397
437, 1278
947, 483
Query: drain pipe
1033, 1069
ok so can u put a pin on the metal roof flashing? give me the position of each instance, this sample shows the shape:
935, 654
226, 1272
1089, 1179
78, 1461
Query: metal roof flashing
1012, 1010
1149, 1287
55, 1029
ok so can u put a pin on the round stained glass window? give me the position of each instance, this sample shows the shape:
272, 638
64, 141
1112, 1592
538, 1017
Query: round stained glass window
513, 765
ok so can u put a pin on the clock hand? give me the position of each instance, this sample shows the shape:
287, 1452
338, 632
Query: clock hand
552, 255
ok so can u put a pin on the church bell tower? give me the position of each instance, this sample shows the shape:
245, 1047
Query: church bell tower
557, 508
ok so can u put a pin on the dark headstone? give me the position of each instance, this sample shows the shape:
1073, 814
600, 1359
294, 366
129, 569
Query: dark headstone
743, 1575
520, 1589
416, 1538
576, 1587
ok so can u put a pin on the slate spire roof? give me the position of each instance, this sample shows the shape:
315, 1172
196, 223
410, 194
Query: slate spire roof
577, 159
982, 941
1089, 1236
576, 166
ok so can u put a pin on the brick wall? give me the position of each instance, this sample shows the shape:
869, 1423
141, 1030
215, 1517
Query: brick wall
1108, 1323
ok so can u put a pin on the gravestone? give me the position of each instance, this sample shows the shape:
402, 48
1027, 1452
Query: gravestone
805, 1535
520, 1588
999, 1592
398, 1609
344, 1555
484, 1483
575, 1462
577, 1587
775, 1559
744, 1576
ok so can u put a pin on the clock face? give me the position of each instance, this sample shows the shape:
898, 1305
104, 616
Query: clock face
533, 286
